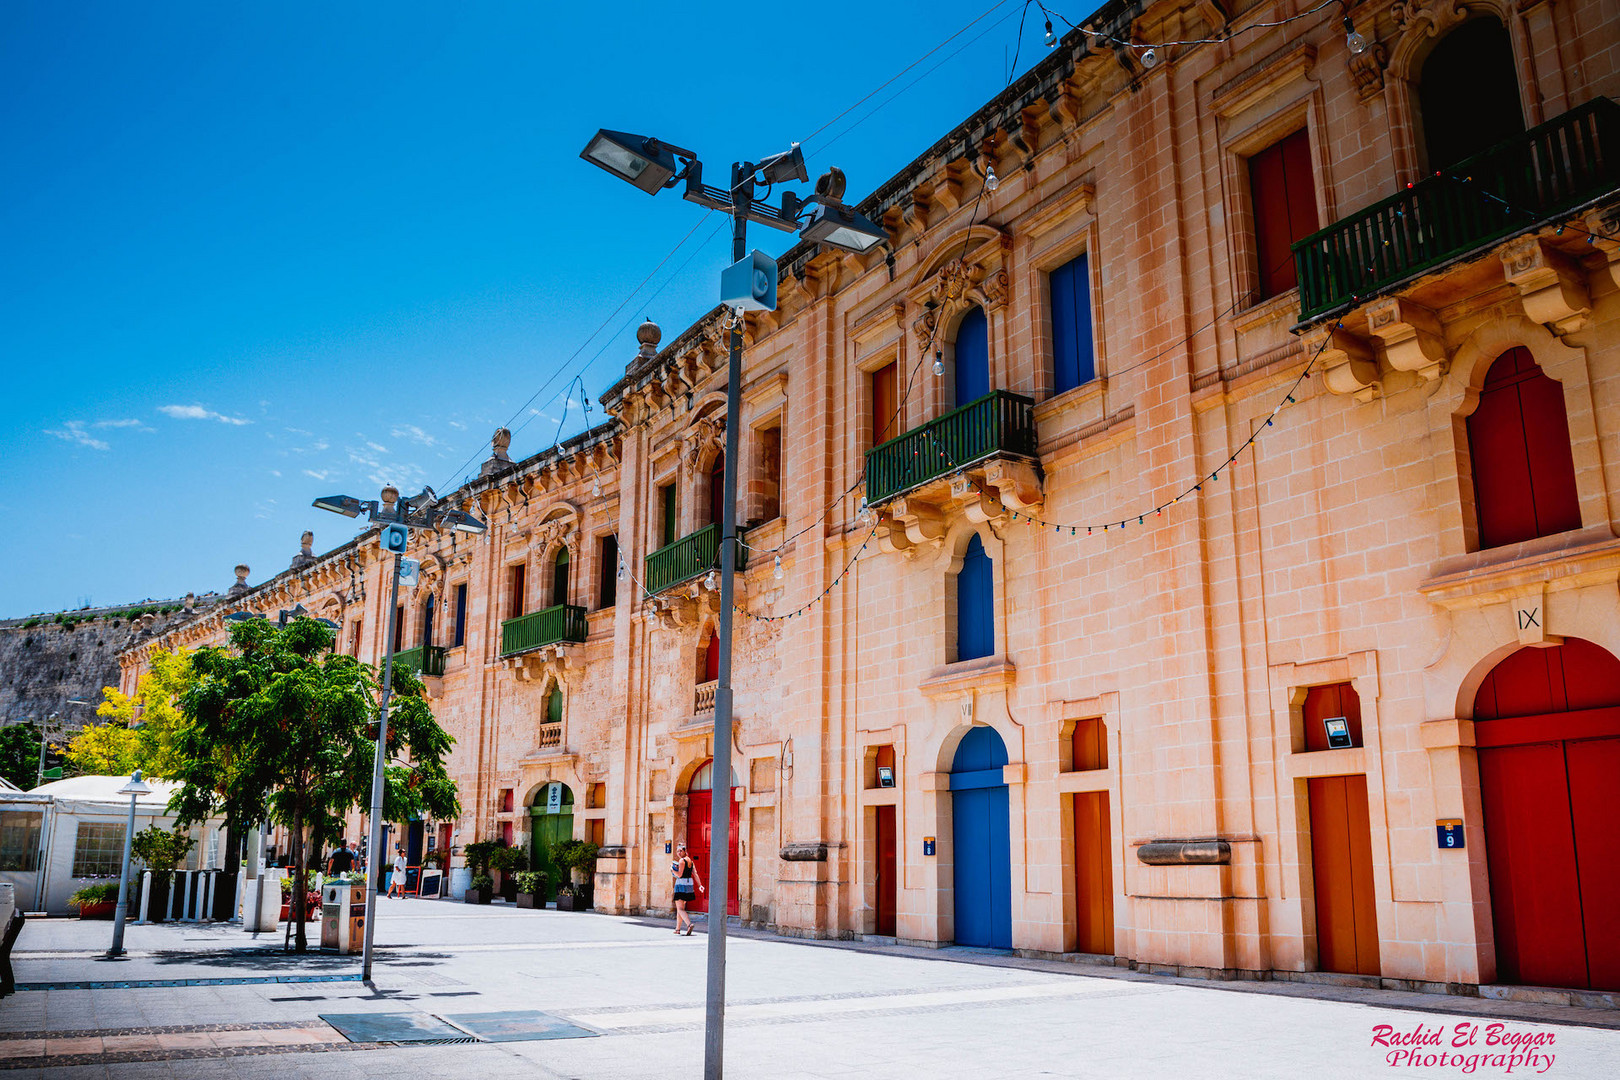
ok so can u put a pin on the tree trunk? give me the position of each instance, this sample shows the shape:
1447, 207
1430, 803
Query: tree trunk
299, 853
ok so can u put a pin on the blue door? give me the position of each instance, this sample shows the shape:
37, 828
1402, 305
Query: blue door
972, 357
979, 825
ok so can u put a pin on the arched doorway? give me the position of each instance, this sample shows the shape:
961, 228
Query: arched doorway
982, 858
1547, 729
551, 821
1468, 92
699, 818
971, 357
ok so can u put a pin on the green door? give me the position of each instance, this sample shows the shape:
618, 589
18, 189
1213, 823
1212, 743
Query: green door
551, 821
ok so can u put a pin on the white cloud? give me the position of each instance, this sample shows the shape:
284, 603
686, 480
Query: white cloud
316, 475
275, 472
121, 424
377, 448
415, 435
73, 432
197, 412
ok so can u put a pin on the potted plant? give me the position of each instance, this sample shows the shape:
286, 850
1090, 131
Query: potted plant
161, 850
312, 902
509, 861
95, 901
531, 889
578, 857
481, 891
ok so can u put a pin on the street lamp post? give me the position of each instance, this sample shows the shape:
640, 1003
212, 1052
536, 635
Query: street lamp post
651, 165
134, 789
397, 516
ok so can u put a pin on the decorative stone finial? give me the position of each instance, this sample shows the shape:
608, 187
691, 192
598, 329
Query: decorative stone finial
390, 496
649, 335
499, 459
241, 585
190, 602
306, 551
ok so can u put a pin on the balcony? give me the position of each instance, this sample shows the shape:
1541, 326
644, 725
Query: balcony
550, 736
692, 555
703, 700
997, 425
548, 626
422, 660
1514, 187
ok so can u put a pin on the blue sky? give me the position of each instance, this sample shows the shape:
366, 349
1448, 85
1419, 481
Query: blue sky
256, 254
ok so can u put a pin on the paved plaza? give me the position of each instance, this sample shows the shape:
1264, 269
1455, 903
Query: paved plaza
501, 992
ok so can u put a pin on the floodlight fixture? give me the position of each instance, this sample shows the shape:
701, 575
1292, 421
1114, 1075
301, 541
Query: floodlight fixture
784, 168
463, 522
838, 226
346, 505
135, 786
636, 159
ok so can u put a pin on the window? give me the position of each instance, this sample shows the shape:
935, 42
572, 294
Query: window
506, 833
975, 607
1518, 443
515, 590
559, 577
399, 626
708, 668
767, 483
1332, 716
354, 637
98, 850
666, 511
461, 616
1468, 93
19, 839
506, 800
554, 706
717, 489
428, 607
1282, 194
1088, 745
607, 571
1073, 363
972, 357
885, 403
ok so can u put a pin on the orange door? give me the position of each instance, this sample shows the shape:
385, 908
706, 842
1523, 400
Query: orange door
1093, 874
1341, 863
887, 882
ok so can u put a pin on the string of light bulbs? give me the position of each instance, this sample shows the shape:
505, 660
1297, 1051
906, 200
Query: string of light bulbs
1148, 53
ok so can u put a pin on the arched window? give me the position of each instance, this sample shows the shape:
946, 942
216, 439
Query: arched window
717, 488
554, 706
1468, 91
972, 357
975, 604
427, 622
1518, 443
559, 577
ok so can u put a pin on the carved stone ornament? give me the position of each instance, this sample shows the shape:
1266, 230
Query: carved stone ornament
1367, 71
1434, 17
708, 433
1550, 284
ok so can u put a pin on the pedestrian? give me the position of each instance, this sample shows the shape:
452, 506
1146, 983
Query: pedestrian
341, 862
397, 880
684, 871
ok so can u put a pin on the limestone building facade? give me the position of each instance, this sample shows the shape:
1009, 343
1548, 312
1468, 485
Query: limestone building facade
1198, 550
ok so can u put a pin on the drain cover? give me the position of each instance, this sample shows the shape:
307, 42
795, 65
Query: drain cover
392, 1027
521, 1026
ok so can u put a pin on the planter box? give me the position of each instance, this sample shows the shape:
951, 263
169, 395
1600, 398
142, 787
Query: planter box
570, 902
311, 914
479, 896
101, 909
531, 900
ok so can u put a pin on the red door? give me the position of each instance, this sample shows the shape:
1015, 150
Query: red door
1547, 725
888, 884
1093, 874
699, 816
1341, 865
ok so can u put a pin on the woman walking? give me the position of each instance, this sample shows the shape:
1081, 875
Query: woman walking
687, 886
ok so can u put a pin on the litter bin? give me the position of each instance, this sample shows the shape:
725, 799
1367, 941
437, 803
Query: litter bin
343, 916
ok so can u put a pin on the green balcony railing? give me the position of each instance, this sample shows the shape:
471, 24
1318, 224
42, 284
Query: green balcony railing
693, 554
1515, 186
997, 424
548, 626
423, 661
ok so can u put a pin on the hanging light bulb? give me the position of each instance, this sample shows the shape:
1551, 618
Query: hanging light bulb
710, 580
1051, 35
777, 570
865, 512
939, 362
991, 180
596, 487
1150, 57
623, 573
1353, 39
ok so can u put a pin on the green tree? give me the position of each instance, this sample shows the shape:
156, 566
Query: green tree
19, 753
140, 728
279, 718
